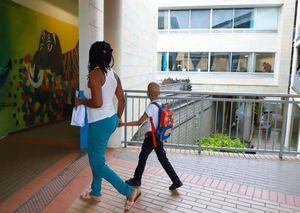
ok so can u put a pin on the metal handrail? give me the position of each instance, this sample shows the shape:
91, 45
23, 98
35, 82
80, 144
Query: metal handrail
282, 95
226, 121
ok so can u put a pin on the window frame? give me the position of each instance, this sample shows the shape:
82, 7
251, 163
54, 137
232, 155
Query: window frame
232, 29
251, 63
264, 73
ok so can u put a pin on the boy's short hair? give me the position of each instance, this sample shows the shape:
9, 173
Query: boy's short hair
154, 88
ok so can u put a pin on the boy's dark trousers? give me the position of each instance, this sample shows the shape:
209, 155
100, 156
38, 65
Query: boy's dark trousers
161, 155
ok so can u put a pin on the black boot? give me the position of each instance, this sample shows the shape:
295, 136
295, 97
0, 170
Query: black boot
175, 186
133, 183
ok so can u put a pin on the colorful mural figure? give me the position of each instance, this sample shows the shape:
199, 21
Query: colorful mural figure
39, 79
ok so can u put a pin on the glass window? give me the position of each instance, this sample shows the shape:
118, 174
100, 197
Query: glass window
162, 19
198, 62
220, 62
179, 19
178, 61
243, 18
162, 61
240, 62
264, 62
266, 18
222, 18
200, 19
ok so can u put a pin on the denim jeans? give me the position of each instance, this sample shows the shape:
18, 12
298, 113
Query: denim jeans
98, 136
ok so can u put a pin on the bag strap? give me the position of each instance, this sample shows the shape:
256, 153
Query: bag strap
156, 104
159, 110
153, 132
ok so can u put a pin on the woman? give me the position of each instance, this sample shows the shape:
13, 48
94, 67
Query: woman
103, 121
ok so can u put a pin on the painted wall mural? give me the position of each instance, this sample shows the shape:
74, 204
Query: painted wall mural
38, 67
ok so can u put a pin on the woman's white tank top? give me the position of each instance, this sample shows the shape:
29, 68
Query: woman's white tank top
108, 91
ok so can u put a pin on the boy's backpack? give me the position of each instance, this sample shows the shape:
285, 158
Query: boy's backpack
165, 125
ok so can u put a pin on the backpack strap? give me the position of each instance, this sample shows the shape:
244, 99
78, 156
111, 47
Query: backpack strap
156, 104
159, 110
153, 130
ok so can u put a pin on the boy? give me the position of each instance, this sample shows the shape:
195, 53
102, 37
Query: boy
152, 112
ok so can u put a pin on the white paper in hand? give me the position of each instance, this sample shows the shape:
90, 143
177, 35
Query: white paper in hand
78, 116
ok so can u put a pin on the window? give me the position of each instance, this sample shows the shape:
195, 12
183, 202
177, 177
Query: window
220, 62
162, 19
216, 62
179, 19
264, 62
243, 18
240, 62
178, 61
198, 62
222, 18
200, 19
162, 61
266, 18
262, 18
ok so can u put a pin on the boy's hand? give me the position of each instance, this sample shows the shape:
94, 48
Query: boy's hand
120, 124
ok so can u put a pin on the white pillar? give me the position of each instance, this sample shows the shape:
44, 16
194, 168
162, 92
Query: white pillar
113, 35
90, 30
298, 147
247, 121
289, 126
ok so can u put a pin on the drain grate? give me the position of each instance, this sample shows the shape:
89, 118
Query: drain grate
48, 192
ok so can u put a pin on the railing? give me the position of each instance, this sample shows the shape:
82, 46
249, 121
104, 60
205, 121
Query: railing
175, 86
226, 122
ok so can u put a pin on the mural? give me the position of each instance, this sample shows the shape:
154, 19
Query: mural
38, 67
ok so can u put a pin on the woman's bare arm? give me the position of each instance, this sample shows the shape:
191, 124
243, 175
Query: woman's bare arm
120, 96
94, 83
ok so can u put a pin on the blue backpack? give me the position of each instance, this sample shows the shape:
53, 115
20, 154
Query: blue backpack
165, 124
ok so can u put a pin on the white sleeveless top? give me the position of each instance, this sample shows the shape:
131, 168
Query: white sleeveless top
108, 91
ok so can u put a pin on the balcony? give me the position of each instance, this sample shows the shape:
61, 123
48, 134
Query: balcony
225, 149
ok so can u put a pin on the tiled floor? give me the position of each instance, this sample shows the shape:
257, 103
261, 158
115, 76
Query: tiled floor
27, 157
212, 183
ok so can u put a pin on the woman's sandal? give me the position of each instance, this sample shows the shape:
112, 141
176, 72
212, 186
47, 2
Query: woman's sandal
129, 204
88, 197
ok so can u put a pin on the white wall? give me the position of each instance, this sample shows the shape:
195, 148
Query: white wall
295, 47
220, 41
90, 30
139, 37
215, 3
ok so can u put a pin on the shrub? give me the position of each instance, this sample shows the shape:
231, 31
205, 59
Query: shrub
219, 141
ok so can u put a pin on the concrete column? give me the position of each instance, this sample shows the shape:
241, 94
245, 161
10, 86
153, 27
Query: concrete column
90, 30
298, 147
289, 126
83, 8
113, 35
247, 121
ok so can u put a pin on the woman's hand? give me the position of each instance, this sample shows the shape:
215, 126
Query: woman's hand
78, 101
120, 124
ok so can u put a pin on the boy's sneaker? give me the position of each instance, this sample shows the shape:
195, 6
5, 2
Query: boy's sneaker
134, 183
175, 186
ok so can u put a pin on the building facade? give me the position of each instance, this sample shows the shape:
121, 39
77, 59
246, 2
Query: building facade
293, 124
226, 46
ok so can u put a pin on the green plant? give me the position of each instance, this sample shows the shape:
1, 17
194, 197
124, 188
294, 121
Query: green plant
219, 142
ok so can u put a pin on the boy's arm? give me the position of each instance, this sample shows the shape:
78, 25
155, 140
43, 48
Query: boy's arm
136, 123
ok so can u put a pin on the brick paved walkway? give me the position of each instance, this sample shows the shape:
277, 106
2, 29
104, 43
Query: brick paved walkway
217, 183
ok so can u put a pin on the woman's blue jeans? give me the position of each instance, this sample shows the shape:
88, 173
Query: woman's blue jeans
98, 136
